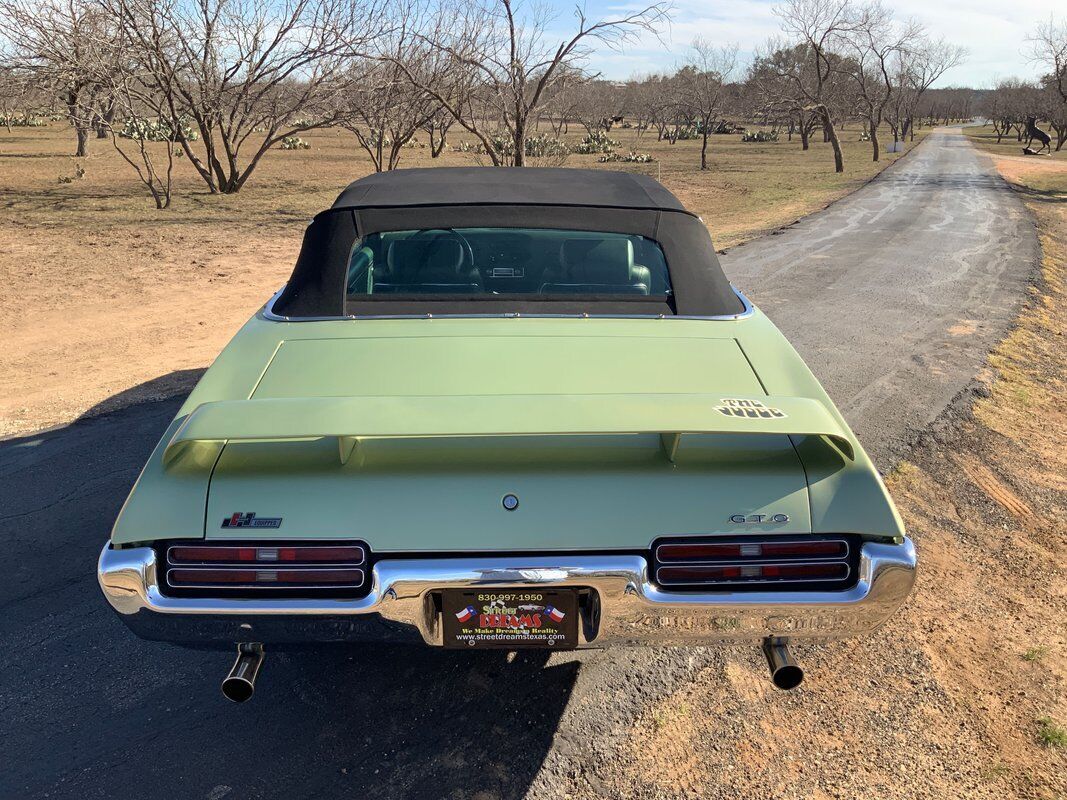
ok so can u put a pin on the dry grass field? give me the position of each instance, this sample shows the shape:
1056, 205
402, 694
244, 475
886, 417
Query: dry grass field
108, 301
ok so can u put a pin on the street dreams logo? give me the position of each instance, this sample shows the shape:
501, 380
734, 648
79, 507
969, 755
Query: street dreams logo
499, 616
250, 520
749, 409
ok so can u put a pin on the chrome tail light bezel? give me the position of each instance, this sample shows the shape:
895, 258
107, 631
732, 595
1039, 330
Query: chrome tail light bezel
268, 559
841, 565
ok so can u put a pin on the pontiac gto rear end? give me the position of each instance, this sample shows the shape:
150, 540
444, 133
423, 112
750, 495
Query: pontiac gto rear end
480, 415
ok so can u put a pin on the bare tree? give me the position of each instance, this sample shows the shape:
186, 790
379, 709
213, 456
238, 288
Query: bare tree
247, 73
564, 99
1007, 106
501, 67
916, 68
655, 103
383, 108
54, 42
1048, 47
818, 26
18, 94
779, 76
874, 42
703, 87
151, 155
597, 104
436, 127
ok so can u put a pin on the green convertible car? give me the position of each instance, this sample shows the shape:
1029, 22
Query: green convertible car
507, 408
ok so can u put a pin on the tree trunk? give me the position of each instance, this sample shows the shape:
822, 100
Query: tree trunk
704, 148
831, 134
520, 143
803, 136
875, 149
82, 133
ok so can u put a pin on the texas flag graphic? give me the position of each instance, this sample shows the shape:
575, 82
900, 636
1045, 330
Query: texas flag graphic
554, 614
466, 614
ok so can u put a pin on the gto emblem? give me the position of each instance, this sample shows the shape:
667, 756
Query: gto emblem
759, 519
250, 520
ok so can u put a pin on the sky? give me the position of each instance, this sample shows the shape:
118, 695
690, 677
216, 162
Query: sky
993, 31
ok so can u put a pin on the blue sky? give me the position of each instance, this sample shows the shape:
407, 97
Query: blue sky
993, 31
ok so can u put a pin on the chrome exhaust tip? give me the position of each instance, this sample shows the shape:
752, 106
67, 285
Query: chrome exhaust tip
240, 684
785, 672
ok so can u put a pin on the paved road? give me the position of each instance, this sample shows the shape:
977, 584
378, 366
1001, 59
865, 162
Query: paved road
893, 296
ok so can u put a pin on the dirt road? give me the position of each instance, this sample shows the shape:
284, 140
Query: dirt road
893, 295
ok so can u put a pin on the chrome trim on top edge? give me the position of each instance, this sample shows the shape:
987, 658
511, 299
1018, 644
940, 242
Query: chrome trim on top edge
268, 313
630, 609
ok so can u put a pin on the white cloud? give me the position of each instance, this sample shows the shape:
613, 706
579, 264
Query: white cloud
993, 31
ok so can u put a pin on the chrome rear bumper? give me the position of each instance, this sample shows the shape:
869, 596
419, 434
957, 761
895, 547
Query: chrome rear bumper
624, 607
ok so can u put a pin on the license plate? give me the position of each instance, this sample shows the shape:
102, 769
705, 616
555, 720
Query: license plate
511, 620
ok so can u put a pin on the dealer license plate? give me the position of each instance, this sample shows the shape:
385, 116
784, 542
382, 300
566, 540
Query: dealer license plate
511, 620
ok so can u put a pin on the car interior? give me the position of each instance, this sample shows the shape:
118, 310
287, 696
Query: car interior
506, 261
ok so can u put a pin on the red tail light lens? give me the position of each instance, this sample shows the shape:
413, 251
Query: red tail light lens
752, 573
265, 578
733, 551
266, 554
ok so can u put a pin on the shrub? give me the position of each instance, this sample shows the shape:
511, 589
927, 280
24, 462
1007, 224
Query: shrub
1050, 734
759, 136
596, 142
543, 148
23, 121
157, 130
294, 143
629, 158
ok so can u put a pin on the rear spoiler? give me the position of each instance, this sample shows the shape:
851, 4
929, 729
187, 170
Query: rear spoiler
350, 419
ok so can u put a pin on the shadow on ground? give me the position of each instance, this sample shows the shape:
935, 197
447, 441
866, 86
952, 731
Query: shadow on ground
90, 711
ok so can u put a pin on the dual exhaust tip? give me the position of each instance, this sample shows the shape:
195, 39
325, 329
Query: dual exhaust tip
240, 684
785, 672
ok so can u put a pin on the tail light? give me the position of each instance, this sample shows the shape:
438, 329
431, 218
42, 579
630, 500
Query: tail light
229, 566
751, 561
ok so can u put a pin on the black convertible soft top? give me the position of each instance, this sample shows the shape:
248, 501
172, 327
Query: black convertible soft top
512, 186
506, 197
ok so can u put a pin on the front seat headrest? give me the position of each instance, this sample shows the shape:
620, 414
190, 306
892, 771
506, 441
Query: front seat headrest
425, 261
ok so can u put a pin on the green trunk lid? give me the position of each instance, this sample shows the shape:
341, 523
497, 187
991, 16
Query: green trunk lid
445, 495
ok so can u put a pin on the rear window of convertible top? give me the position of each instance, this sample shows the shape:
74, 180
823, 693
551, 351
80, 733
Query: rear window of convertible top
503, 263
